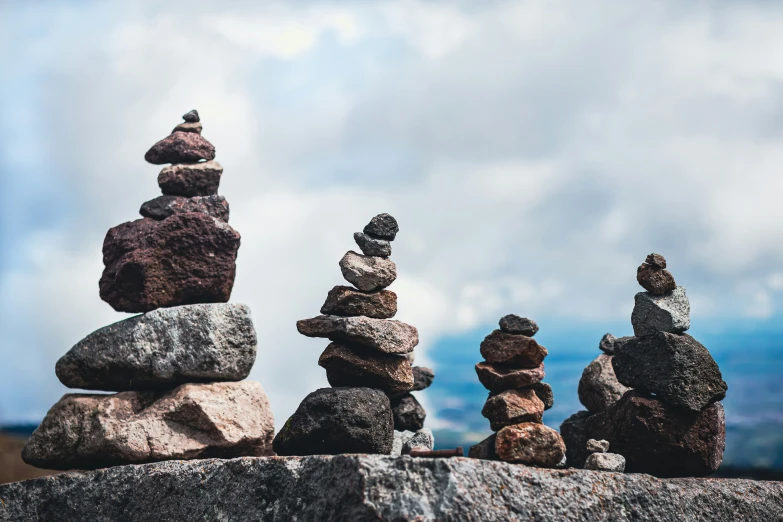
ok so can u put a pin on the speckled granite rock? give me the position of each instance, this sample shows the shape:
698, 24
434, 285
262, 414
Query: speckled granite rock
660, 313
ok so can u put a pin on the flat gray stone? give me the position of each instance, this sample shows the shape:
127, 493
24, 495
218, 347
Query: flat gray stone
516, 324
388, 336
605, 462
421, 439
598, 386
190, 179
597, 446
368, 273
371, 246
661, 313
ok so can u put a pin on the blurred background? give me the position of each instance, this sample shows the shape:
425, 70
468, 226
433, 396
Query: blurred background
533, 153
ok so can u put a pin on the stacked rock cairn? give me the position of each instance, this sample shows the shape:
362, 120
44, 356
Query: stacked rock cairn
654, 397
512, 371
368, 362
179, 366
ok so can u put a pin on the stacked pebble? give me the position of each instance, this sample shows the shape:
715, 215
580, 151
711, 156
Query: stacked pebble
366, 364
512, 372
177, 366
599, 458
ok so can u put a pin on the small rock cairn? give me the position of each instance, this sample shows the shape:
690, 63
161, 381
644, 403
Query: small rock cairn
599, 458
367, 362
654, 396
178, 365
512, 372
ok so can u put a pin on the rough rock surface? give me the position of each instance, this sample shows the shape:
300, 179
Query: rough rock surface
347, 301
656, 260
609, 343
421, 439
382, 226
163, 348
356, 366
185, 259
371, 246
226, 419
655, 280
368, 273
361, 488
382, 335
519, 351
422, 378
515, 324
188, 127
545, 393
530, 443
597, 446
513, 407
180, 147
599, 387
165, 206
408, 414
605, 462
499, 378
574, 433
485, 449
331, 421
664, 313
189, 180
677, 368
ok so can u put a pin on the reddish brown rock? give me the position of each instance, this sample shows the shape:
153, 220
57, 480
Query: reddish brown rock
180, 147
514, 350
166, 206
189, 180
656, 260
530, 443
185, 259
657, 281
498, 378
355, 366
513, 407
347, 301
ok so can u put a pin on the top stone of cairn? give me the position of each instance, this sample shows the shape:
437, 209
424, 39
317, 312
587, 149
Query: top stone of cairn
515, 324
382, 226
191, 117
654, 277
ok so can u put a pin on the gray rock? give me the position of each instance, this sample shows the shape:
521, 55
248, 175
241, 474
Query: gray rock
408, 414
599, 387
607, 343
484, 450
165, 206
349, 302
605, 462
164, 348
386, 336
399, 439
515, 324
368, 273
677, 368
371, 246
545, 393
661, 313
227, 419
356, 366
597, 446
422, 377
188, 127
331, 421
191, 179
382, 226
574, 433
191, 116
421, 439
498, 378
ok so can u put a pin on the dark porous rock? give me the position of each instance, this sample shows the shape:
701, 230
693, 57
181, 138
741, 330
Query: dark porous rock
657, 281
186, 259
660, 313
498, 378
597, 446
408, 413
382, 226
180, 147
545, 393
574, 433
331, 421
513, 407
515, 324
388, 336
164, 348
368, 273
656, 260
188, 127
224, 420
605, 462
358, 366
194, 179
599, 387
676, 368
371, 246
347, 301
609, 343
166, 206
530, 443
484, 450
422, 378
191, 116
519, 351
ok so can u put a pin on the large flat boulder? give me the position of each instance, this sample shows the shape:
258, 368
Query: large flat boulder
387, 336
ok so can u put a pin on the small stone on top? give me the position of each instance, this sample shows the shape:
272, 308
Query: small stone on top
656, 260
191, 117
515, 324
382, 226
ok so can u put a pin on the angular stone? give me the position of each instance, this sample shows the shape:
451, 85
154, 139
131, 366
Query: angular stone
185, 259
166, 206
530, 443
605, 462
422, 378
655, 280
422, 439
163, 348
597, 446
191, 116
484, 450
408, 413
497, 378
189, 180
371, 246
665, 313
356, 366
180, 147
599, 387
607, 343
513, 407
188, 127
368, 273
219, 420
331, 421
514, 350
515, 324
656, 260
545, 393
676, 368
386, 336
574, 433
347, 301
382, 226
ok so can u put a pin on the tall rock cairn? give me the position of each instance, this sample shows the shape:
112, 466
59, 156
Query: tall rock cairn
655, 397
366, 363
512, 371
178, 365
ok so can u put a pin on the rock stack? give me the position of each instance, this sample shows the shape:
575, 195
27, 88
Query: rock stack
599, 458
367, 362
668, 421
177, 366
512, 371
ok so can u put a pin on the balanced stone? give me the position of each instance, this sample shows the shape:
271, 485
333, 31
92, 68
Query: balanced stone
163, 348
530, 443
371, 246
188, 127
515, 324
180, 147
484, 450
388, 336
382, 226
422, 378
347, 301
331, 421
597, 446
185, 259
368, 273
574, 433
357, 366
605, 462
191, 116
609, 343
656, 260
422, 439
166, 206
665, 313
220, 420
545, 393
513, 407
599, 387
408, 413
676, 368
194, 179
497, 378
514, 350
655, 280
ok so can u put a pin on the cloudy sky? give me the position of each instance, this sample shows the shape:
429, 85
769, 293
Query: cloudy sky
532, 152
